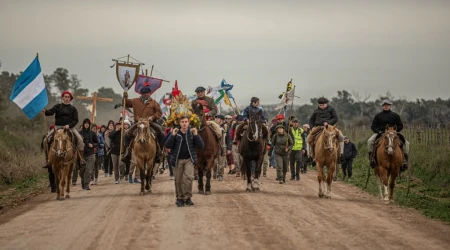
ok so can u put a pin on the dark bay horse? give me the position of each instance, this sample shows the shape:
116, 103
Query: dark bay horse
251, 148
62, 159
207, 155
389, 159
326, 153
145, 152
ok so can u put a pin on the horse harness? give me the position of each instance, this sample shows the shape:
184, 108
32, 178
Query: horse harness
64, 152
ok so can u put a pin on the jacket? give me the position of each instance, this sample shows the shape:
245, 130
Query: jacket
114, 137
320, 116
279, 144
386, 118
211, 105
65, 114
144, 110
350, 151
227, 134
301, 140
251, 109
101, 145
174, 143
89, 136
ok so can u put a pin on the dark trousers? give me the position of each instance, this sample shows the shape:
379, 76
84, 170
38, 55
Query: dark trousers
296, 160
51, 179
347, 167
107, 164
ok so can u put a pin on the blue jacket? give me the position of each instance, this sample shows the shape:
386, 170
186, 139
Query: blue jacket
174, 143
101, 145
250, 109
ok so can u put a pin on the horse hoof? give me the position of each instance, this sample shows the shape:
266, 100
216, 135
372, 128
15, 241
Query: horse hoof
61, 198
141, 194
201, 192
248, 190
67, 196
256, 190
320, 195
57, 198
147, 187
328, 196
207, 192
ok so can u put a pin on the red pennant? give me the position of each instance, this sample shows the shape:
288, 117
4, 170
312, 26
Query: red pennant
175, 91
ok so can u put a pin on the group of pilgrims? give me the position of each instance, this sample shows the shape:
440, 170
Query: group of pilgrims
289, 147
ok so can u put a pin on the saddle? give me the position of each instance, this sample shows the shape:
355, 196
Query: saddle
376, 144
50, 137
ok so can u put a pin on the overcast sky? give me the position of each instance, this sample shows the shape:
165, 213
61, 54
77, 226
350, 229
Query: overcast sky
258, 46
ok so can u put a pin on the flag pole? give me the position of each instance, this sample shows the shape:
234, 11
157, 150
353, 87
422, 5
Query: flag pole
236, 106
290, 114
122, 129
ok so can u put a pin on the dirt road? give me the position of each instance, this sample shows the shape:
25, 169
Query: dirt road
288, 216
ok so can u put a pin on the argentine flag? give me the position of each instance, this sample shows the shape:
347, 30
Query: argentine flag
29, 91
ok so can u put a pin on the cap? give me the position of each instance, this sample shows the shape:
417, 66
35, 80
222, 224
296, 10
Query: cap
280, 116
386, 101
68, 93
146, 89
220, 116
279, 126
199, 89
295, 120
322, 100
228, 117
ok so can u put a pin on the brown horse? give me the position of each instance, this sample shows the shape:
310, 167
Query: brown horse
205, 156
251, 147
62, 159
326, 153
389, 159
145, 152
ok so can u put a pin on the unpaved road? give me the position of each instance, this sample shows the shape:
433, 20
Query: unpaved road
289, 216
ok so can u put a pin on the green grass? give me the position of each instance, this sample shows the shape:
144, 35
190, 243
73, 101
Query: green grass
430, 185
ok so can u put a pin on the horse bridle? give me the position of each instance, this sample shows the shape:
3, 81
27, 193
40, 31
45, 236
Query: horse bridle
145, 136
59, 152
390, 144
250, 130
330, 143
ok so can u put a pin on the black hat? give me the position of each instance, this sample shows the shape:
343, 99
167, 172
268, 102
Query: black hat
220, 116
199, 89
146, 89
322, 100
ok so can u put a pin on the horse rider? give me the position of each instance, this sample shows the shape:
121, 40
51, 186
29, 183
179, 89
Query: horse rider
144, 107
387, 117
209, 107
66, 116
324, 115
255, 108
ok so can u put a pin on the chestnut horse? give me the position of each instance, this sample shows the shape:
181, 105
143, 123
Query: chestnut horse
251, 148
144, 153
62, 159
389, 160
205, 156
326, 154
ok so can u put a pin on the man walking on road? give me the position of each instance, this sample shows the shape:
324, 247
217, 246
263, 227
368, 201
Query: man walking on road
183, 143
350, 153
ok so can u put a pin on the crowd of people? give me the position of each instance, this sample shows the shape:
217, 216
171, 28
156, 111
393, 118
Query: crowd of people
288, 149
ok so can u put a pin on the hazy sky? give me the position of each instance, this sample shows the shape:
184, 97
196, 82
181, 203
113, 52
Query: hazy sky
325, 46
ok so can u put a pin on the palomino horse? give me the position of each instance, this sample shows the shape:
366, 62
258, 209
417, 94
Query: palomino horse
62, 159
389, 160
251, 147
326, 153
206, 155
145, 152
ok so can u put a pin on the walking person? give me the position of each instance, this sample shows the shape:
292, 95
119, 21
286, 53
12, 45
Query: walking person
350, 153
282, 144
107, 163
306, 159
118, 165
90, 143
182, 144
235, 145
299, 148
99, 153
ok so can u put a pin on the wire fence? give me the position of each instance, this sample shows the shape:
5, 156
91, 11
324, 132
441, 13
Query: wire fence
415, 134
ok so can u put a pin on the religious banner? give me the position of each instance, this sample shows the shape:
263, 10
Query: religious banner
143, 81
127, 74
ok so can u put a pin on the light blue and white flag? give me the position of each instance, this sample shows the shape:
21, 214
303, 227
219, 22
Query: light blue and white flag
29, 92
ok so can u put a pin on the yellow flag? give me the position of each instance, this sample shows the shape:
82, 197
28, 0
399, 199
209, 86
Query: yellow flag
226, 100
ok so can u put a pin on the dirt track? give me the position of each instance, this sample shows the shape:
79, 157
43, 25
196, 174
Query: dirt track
289, 216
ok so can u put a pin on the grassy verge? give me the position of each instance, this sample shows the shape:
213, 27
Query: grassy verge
430, 182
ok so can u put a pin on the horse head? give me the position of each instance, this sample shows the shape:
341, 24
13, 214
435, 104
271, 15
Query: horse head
143, 130
390, 139
329, 137
61, 143
198, 110
255, 126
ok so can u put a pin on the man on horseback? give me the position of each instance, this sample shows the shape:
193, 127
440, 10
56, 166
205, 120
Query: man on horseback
144, 107
324, 115
209, 107
387, 117
66, 116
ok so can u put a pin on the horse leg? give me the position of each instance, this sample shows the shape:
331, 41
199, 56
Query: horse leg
380, 191
57, 173
200, 178
330, 177
151, 174
320, 178
391, 187
142, 176
148, 176
255, 184
209, 166
69, 176
384, 179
